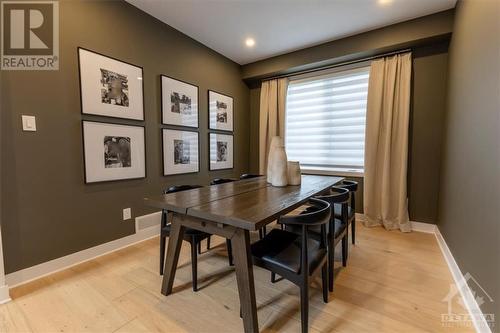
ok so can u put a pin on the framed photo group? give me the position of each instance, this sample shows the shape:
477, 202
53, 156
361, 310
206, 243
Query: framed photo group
113, 88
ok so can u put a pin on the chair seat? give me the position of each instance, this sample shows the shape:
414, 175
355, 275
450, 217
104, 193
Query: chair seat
338, 212
282, 248
187, 231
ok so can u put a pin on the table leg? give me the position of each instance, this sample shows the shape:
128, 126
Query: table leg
244, 277
173, 251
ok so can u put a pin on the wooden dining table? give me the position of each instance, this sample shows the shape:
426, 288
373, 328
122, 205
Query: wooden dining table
233, 210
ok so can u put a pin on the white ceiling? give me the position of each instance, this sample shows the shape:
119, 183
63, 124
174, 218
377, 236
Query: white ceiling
280, 26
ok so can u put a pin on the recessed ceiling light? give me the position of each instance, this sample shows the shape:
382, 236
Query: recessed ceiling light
250, 42
384, 2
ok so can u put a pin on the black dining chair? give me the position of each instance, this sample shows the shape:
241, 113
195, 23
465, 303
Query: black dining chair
352, 186
298, 256
336, 229
249, 176
192, 236
218, 181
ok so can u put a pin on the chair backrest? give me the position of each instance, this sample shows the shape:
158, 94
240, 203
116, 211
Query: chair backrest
248, 176
218, 181
179, 188
352, 186
337, 195
320, 214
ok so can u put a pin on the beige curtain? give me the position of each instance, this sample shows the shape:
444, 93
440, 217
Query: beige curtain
386, 143
271, 117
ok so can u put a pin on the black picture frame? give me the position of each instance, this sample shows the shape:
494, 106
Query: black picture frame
162, 107
232, 155
232, 111
163, 150
86, 181
82, 111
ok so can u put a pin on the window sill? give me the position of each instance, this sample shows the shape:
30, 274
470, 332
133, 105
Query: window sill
333, 172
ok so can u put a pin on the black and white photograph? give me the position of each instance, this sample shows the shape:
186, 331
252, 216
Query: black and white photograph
220, 109
117, 152
110, 87
114, 88
179, 102
113, 151
180, 152
221, 151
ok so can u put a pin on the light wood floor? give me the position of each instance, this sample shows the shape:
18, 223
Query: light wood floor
394, 282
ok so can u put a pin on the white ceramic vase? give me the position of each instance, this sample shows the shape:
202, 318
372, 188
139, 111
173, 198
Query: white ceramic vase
294, 174
278, 163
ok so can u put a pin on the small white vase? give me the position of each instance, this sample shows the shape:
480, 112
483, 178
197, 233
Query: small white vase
279, 164
294, 174
275, 140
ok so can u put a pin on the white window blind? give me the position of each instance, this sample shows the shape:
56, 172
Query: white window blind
325, 120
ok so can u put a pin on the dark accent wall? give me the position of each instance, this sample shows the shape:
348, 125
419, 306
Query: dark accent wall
47, 210
469, 217
426, 123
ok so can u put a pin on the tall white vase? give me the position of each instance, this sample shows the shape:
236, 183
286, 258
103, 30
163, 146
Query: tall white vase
278, 163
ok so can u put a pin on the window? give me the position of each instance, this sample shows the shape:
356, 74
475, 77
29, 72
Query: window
325, 120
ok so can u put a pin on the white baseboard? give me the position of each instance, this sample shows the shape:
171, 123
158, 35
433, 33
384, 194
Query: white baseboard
35, 272
480, 323
4, 294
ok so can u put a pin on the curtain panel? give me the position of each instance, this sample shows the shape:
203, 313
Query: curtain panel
271, 116
386, 143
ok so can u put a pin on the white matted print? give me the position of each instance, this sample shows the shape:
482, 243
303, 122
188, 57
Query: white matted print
179, 102
220, 111
221, 151
113, 152
110, 87
180, 152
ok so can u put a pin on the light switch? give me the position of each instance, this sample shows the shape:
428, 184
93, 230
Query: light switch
127, 214
29, 123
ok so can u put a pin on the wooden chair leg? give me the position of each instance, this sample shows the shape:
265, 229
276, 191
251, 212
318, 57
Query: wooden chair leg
264, 230
194, 263
229, 252
345, 245
353, 231
324, 280
261, 234
304, 306
163, 241
208, 243
273, 277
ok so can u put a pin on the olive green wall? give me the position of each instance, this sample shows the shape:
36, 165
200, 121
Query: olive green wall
47, 210
426, 124
469, 205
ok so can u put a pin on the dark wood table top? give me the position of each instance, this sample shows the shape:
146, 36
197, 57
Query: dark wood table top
254, 209
180, 202
249, 204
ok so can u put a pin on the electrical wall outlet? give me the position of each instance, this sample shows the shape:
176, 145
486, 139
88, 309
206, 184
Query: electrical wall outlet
127, 214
